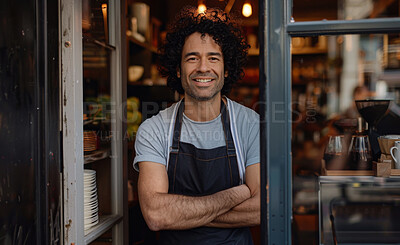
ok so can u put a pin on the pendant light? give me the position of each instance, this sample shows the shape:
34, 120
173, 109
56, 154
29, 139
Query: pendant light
247, 9
104, 10
201, 9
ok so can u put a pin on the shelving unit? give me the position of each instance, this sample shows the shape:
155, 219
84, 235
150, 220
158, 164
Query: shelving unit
105, 223
150, 88
142, 44
92, 73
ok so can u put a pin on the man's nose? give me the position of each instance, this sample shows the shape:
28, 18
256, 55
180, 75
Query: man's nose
203, 66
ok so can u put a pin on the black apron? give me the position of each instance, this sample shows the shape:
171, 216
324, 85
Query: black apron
200, 172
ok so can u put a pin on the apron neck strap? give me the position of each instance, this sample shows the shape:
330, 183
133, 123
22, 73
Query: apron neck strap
225, 124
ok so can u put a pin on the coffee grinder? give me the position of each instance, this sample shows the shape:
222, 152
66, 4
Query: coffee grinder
372, 111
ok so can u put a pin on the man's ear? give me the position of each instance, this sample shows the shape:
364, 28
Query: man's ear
226, 74
178, 73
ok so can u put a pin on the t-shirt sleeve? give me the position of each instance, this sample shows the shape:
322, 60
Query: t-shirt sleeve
149, 144
253, 142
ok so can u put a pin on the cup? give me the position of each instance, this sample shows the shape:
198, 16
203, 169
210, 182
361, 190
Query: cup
395, 152
335, 152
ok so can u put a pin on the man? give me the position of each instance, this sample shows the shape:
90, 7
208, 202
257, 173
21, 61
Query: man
199, 180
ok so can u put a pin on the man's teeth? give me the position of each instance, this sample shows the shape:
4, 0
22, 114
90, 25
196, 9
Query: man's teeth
203, 80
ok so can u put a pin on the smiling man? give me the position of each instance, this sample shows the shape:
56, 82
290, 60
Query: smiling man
199, 178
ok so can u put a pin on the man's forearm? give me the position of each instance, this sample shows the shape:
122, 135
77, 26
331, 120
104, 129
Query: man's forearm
246, 213
164, 211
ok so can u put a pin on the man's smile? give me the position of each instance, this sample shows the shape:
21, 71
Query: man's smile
203, 80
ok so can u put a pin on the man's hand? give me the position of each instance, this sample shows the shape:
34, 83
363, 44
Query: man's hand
248, 212
163, 211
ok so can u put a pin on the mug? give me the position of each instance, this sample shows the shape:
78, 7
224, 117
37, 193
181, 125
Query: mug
395, 152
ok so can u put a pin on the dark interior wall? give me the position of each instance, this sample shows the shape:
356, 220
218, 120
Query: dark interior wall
29, 138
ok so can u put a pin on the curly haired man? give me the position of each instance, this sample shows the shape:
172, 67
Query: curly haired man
199, 178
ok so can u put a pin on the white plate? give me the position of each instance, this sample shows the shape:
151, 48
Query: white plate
89, 186
89, 176
89, 189
90, 211
91, 216
91, 221
90, 196
88, 226
89, 171
91, 202
89, 180
90, 206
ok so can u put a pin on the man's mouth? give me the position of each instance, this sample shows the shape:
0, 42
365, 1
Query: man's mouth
203, 80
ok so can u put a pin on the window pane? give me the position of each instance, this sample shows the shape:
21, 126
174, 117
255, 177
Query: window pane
98, 108
331, 139
309, 10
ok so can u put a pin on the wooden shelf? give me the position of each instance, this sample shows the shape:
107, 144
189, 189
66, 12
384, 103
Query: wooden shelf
349, 173
142, 44
308, 50
96, 156
394, 172
295, 51
105, 223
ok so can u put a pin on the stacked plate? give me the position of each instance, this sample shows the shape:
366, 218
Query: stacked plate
91, 205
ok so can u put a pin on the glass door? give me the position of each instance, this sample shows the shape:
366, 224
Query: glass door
332, 99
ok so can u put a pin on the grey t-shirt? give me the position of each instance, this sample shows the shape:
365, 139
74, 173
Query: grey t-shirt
154, 136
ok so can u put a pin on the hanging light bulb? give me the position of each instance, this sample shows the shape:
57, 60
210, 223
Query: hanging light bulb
246, 10
201, 8
104, 10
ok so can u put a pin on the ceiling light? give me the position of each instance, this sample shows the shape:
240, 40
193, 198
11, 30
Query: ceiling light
247, 11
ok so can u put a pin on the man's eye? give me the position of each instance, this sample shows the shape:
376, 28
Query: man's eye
214, 58
191, 59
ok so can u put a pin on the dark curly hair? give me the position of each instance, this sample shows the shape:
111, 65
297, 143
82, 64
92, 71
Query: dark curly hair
224, 31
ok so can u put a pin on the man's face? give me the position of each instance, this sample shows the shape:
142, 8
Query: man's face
202, 68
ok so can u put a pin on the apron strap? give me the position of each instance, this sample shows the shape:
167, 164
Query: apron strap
177, 128
227, 131
225, 123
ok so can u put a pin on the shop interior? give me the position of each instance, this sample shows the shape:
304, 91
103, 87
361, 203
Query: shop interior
326, 70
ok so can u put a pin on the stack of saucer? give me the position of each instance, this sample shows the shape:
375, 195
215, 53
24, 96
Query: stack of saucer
91, 205
89, 141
